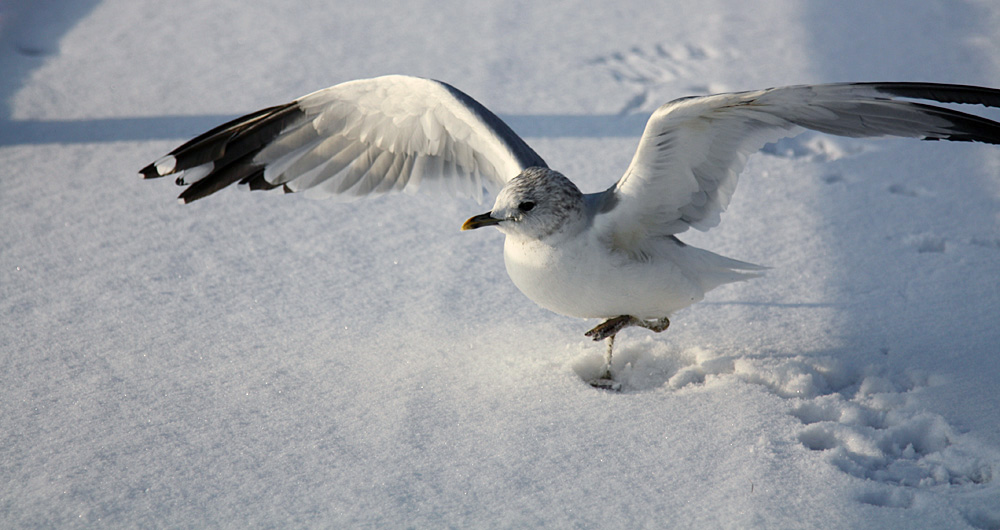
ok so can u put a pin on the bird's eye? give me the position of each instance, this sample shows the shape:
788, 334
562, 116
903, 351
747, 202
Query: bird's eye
526, 206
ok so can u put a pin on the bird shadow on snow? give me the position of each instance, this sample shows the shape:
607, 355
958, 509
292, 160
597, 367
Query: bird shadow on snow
873, 427
32, 132
32, 29
862, 419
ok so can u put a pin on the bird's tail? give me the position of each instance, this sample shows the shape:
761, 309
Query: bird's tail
710, 270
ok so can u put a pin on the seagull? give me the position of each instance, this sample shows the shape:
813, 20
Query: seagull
613, 254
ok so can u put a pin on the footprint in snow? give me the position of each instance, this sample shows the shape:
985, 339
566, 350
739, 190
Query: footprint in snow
985, 242
863, 422
814, 148
651, 73
646, 69
907, 191
926, 242
866, 423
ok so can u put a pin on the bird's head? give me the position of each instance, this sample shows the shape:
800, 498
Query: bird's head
537, 203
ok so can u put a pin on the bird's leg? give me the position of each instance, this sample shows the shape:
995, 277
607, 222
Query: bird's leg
607, 330
607, 358
605, 381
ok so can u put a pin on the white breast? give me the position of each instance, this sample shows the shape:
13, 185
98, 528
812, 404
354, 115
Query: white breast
581, 277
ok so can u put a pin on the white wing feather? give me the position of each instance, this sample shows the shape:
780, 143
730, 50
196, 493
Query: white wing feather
692, 151
385, 134
392, 133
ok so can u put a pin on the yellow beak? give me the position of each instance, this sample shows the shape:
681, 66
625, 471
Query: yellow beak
480, 221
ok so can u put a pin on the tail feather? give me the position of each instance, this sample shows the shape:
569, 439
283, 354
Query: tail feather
709, 270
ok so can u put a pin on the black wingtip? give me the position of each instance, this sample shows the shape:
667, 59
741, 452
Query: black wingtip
150, 172
964, 127
256, 182
942, 92
192, 194
230, 149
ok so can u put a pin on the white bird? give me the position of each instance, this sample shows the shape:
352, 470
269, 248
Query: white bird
613, 254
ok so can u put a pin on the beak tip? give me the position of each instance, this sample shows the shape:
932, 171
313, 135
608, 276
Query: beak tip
479, 221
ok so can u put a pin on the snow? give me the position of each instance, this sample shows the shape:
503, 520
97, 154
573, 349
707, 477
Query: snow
256, 359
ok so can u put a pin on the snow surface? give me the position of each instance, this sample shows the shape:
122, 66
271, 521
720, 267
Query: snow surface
264, 360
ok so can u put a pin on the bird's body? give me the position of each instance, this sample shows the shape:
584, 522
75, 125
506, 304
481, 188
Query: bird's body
613, 254
587, 268
581, 278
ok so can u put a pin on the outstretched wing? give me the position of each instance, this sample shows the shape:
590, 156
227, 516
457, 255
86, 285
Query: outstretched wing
371, 136
693, 149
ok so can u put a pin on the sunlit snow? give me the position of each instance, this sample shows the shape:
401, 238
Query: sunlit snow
265, 360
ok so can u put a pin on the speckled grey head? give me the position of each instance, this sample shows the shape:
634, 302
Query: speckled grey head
537, 203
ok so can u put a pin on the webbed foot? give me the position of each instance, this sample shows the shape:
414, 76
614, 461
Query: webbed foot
606, 383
